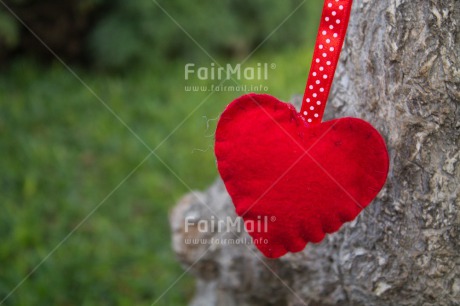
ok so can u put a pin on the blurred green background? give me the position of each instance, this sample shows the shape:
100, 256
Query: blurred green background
65, 155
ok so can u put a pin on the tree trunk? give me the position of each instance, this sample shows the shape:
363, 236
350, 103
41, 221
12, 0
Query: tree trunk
400, 71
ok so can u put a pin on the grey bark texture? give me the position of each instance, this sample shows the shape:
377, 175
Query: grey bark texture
399, 70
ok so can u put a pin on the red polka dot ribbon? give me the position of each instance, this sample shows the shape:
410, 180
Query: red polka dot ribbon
331, 34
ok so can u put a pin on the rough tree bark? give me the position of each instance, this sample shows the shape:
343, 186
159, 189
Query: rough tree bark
399, 70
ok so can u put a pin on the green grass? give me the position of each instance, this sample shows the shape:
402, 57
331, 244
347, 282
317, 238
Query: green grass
62, 153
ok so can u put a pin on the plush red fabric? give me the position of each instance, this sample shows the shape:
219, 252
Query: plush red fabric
293, 182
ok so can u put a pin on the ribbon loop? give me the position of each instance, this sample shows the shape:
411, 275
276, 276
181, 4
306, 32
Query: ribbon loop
329, 42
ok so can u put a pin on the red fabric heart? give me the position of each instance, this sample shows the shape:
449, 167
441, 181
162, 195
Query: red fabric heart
293, 180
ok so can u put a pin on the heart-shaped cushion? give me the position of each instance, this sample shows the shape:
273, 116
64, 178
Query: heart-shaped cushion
292, 182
